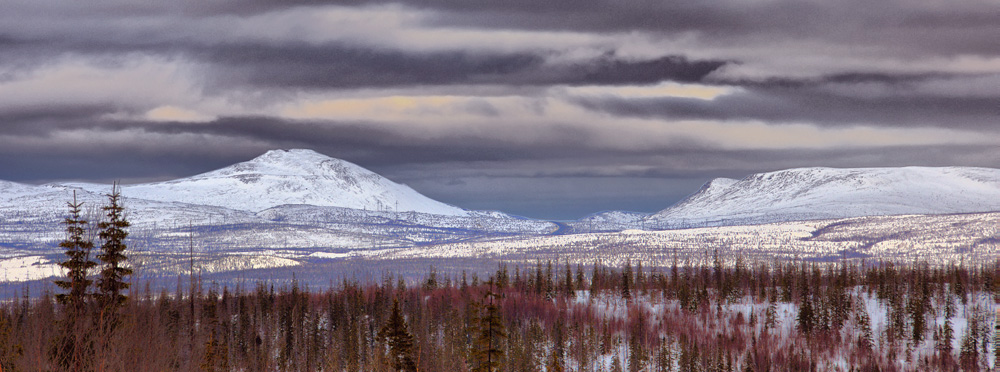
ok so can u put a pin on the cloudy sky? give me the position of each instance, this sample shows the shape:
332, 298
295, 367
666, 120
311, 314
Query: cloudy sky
551, 109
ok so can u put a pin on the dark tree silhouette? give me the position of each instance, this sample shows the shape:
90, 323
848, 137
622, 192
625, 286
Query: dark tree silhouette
807, 317
78, 263
626, 292
488, 353
112, 281
73, 346
397, 337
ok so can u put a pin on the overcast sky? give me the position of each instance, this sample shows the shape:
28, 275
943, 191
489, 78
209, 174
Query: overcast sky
549, 109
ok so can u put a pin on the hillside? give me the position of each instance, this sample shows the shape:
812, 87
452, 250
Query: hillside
826, 193
281, 177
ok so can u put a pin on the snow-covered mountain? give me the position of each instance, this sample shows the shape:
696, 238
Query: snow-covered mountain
280, 201
823, 193
282, 177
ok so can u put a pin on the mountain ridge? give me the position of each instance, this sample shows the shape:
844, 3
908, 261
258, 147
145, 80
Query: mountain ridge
824, 193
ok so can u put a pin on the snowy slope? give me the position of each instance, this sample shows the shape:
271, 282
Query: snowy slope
281, 177
822, 193
11, 191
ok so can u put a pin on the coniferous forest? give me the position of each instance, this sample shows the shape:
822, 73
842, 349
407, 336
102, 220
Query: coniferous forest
778, 316
722, 314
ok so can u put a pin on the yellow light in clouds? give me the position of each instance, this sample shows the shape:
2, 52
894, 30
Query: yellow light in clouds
392, 107
171, 113
667, 89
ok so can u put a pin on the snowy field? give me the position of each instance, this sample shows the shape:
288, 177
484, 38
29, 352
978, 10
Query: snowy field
933, 239
232, 247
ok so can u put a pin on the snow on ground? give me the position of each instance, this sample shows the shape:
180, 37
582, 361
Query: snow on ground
151, 265
930, 238
26, 268
824, 193
613, 307
281, 177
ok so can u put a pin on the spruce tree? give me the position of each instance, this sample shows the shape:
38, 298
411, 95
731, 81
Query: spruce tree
112, 281
550, 286
556, 357
627, 281
503, 276
807, 317
399, 340
539, 279
616, 364
78, 263
488, 352
73, 347
637, 356
770, 316
568, 281
865, 339
969, 354
639, 283
664, 357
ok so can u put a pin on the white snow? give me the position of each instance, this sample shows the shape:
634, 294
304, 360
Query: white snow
28, 268
826, 193
12, 190
281, 177
936, 239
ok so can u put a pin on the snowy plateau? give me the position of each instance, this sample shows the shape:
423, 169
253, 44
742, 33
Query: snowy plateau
298, 212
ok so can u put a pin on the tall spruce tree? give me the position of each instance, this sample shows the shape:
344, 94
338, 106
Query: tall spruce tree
627, 281
112, 281
78, 263
557, 362
399, 340
488, 352
72, 349
638, 357
807, 316
947, 336
664, 357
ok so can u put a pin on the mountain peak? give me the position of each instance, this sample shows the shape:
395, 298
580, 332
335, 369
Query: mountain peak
297, 176
299, 158
296, 154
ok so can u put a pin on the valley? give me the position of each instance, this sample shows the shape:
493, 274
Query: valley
299, 211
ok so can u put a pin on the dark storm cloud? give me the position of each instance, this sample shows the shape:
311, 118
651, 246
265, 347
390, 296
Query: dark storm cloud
585, 15
339, 66
368, 143
332, 65
924, 27
375, 145
42, 120
674, 68
804, 102
899, 80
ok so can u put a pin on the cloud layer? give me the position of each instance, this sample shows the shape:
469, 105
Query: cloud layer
548, 109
